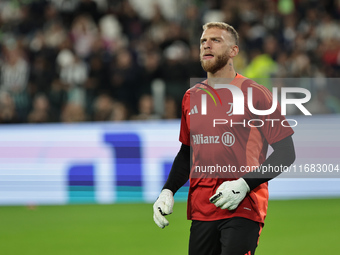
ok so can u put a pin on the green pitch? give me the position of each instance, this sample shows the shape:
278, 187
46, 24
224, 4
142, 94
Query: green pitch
292, 227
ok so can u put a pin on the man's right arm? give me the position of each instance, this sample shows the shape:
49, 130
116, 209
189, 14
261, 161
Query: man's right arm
179, 173
178, 176
180, 170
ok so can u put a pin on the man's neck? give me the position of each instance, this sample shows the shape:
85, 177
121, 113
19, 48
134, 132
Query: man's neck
225, 74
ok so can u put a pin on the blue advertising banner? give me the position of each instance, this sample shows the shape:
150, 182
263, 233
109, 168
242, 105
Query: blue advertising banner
130, 161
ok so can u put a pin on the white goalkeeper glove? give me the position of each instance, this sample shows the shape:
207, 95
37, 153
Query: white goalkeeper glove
230, 194
163, 206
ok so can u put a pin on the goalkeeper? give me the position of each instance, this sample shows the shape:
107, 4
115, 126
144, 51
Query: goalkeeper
227, 210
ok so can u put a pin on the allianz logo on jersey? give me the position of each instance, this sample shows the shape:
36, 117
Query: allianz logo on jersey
227, 138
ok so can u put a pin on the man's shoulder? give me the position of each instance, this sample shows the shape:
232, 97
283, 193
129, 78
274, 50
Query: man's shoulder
257, 88
245, 81
196, 87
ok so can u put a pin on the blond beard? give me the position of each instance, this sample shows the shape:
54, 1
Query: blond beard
214, 66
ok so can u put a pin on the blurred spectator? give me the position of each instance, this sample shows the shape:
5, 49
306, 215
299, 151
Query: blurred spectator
74, 50
301, 66
171, 9
283, 65
145, 109
88, 7
193, 65
262, 66
54, 34
7, 109
10, 12
249, 11
150, 70
98, 71
73, 112
41, 75
192, 24
83, 34
74, 73
170, 109
125, 79
271, 18
174, 71
120, 112
14, 77
14, 68
51, 14
310, 21
174, 35
133, 25
102, 108
157, 26
328, 28
111, 34
66, 9
41, 110
57, 97
289, 31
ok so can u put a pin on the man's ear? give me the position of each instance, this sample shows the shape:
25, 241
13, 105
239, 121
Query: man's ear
234, 51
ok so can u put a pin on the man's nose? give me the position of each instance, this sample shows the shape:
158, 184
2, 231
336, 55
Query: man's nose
207, 45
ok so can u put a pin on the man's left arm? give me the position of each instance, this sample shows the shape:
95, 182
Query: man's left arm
283, 156
231, 193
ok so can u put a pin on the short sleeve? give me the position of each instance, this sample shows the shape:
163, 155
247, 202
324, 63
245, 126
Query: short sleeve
184, 136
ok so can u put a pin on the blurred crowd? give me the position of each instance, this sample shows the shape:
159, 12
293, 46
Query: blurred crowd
114, 60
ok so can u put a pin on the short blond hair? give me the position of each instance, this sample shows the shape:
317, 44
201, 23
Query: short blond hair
223, 26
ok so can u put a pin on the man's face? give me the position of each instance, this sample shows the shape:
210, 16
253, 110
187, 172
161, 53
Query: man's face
215, 49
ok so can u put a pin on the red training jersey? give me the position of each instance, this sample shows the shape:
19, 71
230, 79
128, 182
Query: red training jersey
223, 142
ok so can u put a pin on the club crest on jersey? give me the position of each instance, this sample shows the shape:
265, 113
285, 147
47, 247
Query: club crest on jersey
230, 112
